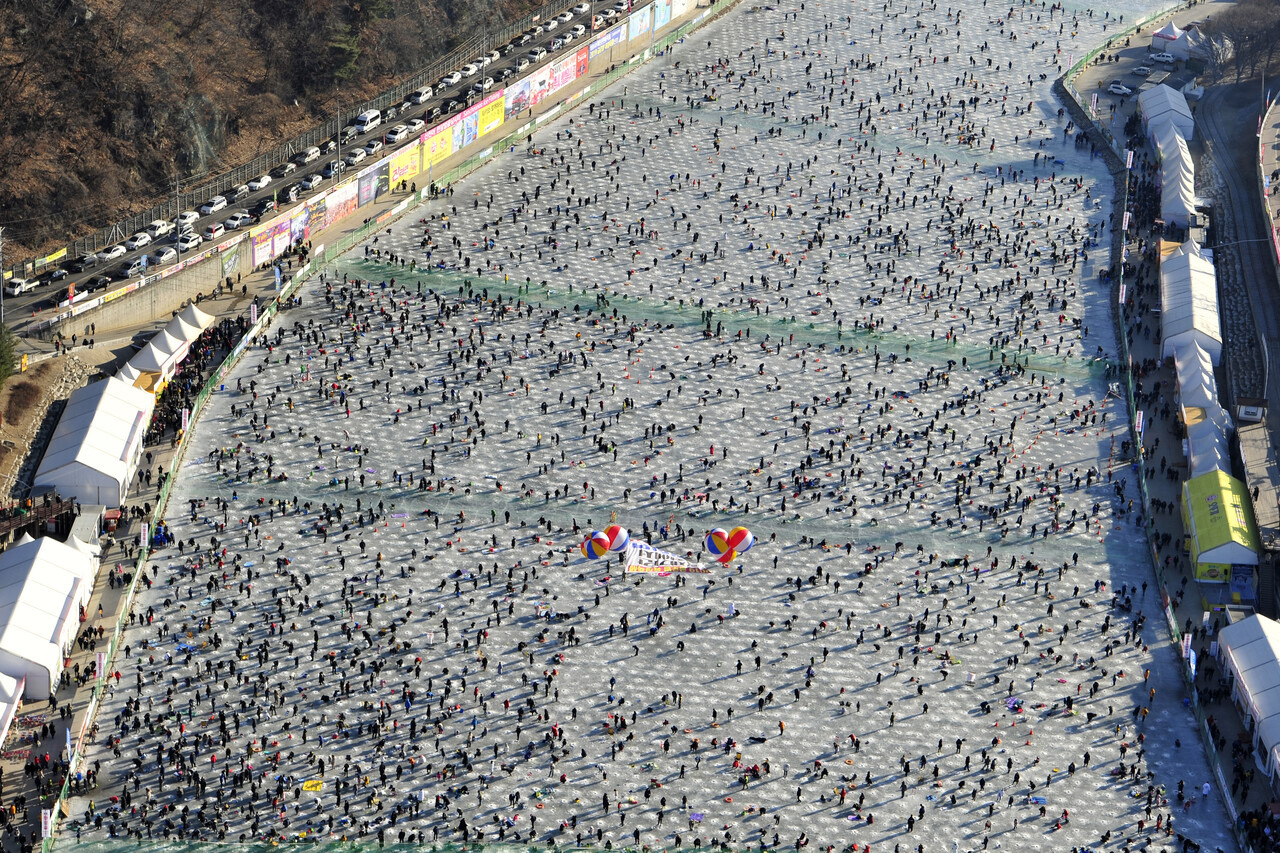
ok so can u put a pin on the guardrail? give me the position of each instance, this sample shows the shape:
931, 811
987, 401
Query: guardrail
1271, 227
326, 256
206, 188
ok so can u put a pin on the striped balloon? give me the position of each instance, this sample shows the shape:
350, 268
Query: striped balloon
741, 539
727, 557
617, 537
718, 542
595, 546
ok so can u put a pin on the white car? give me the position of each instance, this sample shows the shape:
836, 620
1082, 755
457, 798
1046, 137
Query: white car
538, 53
492, 56
609, 14
397, 133
483, 85
482, 61
551, 24
163, 255
213, 205
451, 78
564, 17
1142, 70
189, 241
522, 63
1163, 56
186, 219
579, 30
111, 253
561, 41
582, 8
310, 182
214, 230
355, 156
373, 146
239, 219
421, 96
260, 182
1119, 89
416, 126
470, 69
159, 228
137, 241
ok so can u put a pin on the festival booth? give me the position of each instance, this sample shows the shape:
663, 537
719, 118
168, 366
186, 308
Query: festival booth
1188, 301
159, 359
1177, 184
1249, 653
1208, 440
1221, 534
10, 701
1196, 385
193, 316
1161, 105
43, 585
94, 451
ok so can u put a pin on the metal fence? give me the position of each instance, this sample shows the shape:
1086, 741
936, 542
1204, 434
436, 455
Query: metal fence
203, 189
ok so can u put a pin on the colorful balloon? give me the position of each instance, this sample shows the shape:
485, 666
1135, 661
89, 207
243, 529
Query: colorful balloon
727, 557
595, 546
617, 537
741, 539
718, 542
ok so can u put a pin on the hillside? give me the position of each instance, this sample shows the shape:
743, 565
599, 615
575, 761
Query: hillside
106, 101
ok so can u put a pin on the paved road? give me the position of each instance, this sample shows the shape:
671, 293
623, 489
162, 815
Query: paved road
1226, 116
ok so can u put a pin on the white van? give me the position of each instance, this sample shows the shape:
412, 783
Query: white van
421, 96
368, 120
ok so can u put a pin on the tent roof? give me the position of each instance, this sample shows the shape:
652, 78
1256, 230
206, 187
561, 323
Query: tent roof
1169, 32
40, 583
1177, 177
1189, 297
1221, 519
193, 315
1166, 102
150, 359
98, 429
128, 373
1194, 369
1252, 646
1208, 440
182, 330
166, 343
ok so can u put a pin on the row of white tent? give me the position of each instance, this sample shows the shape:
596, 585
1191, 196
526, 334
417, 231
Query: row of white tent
1249, 653
44, 584
1168, 121
94, 451
1186, 44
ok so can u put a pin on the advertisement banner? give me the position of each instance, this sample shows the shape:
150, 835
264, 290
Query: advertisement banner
406, 164
606, 42
368, 188
661, 13
564, 72
316, 214
678, 8
230, 262
492, 113
539, 85
440, 143
466, 131
517, 100
340, 202
281, 236
382, 185
261, 237
584, 59
638, 23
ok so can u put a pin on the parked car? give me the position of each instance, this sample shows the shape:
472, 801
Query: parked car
18, 286
348, 133
434, 112
237, 220
163, 255
597, 21
283, 170
263, 207
397, 134
137, 241
302, 158
138, 266
451, 78
551, 24
333, 168
290, 193
483, 85
214, 230
522, 63
470, 69
354, 156
1118, 88
582, 8
187, 242
1163, 56
94, 285
87, 262
537, 54
559, 42
524, 39
213, 205
240, 192
329, 146
111, 253
417, 125
189, 217
50, 276
564, 17
159, 229
492, 56
373, 146
1142, 70
310, 182
422, 95
579, 30
260, 183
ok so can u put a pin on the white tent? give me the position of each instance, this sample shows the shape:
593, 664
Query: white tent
43, 583
1165, 104
1177, 182
1196, 385
174, 348
1208, 441
193, 315
1189, 303
94, 450
10, 701
128, 373
182, 330
1249, 651
1167, 139
1165, 36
